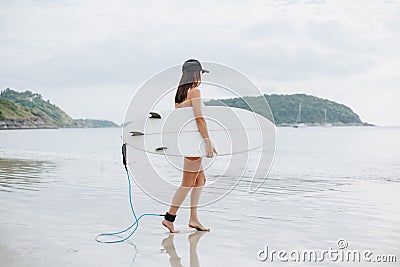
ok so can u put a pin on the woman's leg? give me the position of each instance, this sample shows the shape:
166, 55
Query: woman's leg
188, 181
191, 165
195, 195
194, 202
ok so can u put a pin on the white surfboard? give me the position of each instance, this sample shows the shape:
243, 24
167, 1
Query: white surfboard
175, 132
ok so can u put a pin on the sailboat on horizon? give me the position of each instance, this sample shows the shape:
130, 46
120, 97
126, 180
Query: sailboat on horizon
325, 123
298, 123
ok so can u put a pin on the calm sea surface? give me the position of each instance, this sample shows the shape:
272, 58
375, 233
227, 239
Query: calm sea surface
60, 188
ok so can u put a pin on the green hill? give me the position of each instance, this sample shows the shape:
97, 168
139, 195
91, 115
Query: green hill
40, 110
285, 109
9, 110
29, 110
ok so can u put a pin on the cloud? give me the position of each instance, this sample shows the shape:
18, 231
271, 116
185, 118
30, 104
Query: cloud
331, 49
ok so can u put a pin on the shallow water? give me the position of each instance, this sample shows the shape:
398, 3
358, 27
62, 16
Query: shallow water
60, 188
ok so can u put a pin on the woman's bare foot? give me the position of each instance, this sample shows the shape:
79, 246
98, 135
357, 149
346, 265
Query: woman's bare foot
170, 226
197, 225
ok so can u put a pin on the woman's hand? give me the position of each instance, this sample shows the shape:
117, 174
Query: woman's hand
210, 150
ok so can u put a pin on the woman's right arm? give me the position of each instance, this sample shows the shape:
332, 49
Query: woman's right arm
195, 98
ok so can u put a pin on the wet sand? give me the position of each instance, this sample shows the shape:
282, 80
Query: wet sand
54, 205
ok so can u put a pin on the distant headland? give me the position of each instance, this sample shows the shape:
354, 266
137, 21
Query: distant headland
27, 110
296, 109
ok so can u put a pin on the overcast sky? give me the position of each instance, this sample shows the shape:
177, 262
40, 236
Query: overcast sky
89, 57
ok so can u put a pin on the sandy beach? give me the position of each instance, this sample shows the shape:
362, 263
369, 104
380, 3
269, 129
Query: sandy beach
59, 193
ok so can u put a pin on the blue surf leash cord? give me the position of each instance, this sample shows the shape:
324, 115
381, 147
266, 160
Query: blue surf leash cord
135, 224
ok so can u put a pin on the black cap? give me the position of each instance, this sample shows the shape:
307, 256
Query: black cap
193, 65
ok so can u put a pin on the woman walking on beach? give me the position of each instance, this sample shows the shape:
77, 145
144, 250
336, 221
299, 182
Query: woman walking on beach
188, 95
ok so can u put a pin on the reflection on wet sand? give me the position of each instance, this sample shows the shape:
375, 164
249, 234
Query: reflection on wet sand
16, 174
174, 259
